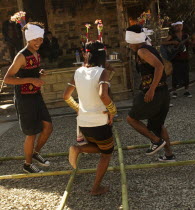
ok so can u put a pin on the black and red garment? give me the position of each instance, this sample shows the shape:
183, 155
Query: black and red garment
156, 110
31, 109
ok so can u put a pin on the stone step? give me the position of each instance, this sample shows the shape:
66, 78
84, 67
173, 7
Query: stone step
9, 101
9, 89
6, 87
6, 96
6, 109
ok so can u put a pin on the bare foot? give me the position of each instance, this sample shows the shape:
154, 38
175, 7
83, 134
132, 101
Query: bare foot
73, 155
100, 190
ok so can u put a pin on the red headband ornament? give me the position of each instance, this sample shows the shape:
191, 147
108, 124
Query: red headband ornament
99, 28
19, 17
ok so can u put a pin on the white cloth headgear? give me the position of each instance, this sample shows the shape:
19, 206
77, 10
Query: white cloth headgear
177, 23
136, 38
33, 32
148, 33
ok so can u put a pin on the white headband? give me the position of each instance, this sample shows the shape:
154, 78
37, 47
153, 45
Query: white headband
147, 31
33, 32
177, 23
135, 38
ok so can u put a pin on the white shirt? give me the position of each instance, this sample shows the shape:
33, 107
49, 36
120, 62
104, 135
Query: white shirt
90, 105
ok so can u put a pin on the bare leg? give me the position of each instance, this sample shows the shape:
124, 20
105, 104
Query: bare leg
101, 170
165, 136
28, 148
44, 135
142, 129
75, 150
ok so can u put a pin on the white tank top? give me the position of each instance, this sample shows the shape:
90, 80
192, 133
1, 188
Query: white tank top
90, 105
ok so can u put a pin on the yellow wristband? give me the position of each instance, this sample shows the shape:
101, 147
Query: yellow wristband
73, 104
112, 108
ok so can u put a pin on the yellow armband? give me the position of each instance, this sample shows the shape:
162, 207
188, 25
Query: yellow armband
112, 108
72, 103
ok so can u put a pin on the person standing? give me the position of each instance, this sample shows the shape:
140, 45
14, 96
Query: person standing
178, 41
152, 102
93, 120
50, 48
33, 115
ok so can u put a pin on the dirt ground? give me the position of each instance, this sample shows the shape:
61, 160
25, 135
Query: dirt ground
171, 188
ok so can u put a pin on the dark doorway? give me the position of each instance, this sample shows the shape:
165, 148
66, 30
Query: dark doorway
35, 11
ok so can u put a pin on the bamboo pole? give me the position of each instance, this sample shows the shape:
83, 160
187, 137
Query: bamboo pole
123, 174
44, 155
93, 170
68, 187
174, 143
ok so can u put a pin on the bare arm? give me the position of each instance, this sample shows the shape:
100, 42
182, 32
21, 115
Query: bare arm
68, 96
103, 91
151, 59
104, 96
168, 41
19, 61
69, 90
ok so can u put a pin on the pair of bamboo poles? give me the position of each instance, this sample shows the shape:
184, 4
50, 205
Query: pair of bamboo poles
121, 167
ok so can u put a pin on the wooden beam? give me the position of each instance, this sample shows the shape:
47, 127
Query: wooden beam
20, 5
21, 8
154, 12
121, 27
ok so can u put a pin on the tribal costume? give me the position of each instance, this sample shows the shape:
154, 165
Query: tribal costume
91, 119
156, 110
31, 109
180, 76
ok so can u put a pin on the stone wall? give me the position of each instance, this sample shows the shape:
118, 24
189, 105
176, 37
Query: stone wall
56, 81
68, 25
7, 8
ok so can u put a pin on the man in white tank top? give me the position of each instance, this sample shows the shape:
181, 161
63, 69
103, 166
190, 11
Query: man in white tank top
95, 111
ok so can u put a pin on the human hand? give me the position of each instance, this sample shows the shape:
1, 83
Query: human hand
174, 42
42, 72
37, 82
149, 95
110, 117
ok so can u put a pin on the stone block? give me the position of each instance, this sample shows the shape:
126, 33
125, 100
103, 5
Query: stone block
60, 95
59, 87
47, 88
49, 97
116, 80
50, 79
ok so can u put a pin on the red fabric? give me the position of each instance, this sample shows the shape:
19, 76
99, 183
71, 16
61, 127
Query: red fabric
31, 63
29, 88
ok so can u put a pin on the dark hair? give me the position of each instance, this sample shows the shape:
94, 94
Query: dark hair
135, 28
48, 32
96, 54
41, 25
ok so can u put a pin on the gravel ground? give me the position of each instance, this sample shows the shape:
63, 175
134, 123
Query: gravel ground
169, 188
